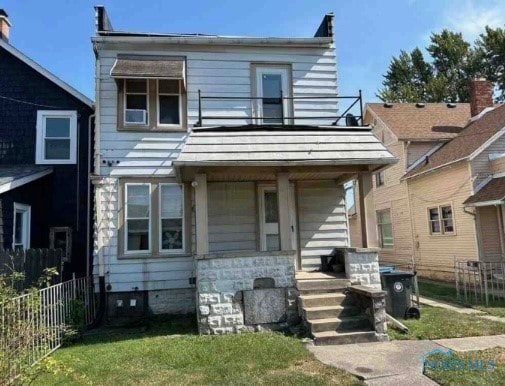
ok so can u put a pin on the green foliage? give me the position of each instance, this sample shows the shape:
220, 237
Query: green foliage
446, 76
23, 336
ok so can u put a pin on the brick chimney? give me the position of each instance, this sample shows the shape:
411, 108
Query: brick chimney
481, 95
5, 26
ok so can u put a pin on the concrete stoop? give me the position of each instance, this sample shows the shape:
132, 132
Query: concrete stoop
331, 315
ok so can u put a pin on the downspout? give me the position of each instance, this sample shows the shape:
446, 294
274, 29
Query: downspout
99, 241
500, 228
88, 198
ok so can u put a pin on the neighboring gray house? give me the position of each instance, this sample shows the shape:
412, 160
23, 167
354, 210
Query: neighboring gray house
219, 176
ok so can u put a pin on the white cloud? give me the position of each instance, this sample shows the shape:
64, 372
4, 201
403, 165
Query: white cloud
471, 17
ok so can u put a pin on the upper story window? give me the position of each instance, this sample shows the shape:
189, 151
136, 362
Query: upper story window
136, 102
56, 137
380, 179
169, 102
441, 220
150, 92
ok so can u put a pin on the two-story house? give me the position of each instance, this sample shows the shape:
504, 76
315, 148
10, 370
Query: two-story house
44, 159
423, 206
219, 172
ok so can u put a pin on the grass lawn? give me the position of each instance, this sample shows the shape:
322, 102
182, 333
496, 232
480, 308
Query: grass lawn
438, 323
447, 293
470, 377
158, 357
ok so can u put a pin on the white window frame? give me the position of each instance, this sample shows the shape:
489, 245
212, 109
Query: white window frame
183, 248
149, 239
282, 70
125, 94
40, 142
173, 125
441, 220
26, 210
379, 228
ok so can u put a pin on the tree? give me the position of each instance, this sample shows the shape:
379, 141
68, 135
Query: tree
454, 62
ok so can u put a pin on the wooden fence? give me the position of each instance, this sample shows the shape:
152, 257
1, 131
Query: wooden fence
31, 263
33, 325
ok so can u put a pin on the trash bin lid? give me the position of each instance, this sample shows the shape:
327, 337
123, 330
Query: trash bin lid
398, 274
386, 268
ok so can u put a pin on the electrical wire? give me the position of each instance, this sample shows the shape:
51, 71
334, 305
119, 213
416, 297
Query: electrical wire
32, 103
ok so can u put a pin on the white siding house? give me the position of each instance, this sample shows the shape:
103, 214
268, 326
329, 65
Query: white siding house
218, 161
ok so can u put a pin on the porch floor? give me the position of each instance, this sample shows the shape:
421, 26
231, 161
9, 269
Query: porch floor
304, 275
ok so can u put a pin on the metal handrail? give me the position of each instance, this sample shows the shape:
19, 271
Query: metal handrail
283, 117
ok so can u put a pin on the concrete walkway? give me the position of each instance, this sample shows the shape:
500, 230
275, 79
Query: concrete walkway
396, 362
460, 309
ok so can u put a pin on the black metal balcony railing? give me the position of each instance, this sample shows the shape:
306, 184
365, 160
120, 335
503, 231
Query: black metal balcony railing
351, 119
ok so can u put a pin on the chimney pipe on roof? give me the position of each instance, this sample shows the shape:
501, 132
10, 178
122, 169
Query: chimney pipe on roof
5, 26
481, 95
325, 29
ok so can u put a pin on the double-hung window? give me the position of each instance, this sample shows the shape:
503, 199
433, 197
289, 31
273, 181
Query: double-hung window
441, 220
153, 218
56, 137
385, 228
21, 231
171, 218
138, 217
169, 102
136, 102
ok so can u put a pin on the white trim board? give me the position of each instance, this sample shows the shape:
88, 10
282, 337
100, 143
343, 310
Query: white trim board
41, 70
24, 180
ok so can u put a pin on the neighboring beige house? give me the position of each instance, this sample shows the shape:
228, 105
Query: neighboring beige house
440, 202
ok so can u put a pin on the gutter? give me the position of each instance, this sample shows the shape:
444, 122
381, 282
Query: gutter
118, 37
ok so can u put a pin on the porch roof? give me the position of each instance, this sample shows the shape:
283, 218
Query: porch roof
493, 193
14, 176
280, 146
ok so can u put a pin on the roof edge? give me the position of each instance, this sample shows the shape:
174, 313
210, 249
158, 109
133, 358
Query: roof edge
47, 74
24, 180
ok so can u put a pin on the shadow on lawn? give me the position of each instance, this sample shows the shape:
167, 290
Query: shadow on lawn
160, 325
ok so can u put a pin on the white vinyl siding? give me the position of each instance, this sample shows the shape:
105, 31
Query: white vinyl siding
224, 71
232, 216
322, 221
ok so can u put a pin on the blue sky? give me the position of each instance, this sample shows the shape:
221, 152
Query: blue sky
57, 33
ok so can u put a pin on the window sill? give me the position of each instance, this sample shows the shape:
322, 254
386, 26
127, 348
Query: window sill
443, 234
153, 129
136, 256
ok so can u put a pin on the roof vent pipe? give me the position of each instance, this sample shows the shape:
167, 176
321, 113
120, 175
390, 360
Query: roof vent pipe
388, 105
420, 105
451, 105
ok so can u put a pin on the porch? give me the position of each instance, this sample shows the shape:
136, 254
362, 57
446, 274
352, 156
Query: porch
268, 203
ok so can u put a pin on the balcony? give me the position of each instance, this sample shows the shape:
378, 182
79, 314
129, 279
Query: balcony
281, 111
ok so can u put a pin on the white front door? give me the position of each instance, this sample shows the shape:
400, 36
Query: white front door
271, 83
21, 231
269, 218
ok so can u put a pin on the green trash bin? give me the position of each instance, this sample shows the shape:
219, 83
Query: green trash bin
398, 286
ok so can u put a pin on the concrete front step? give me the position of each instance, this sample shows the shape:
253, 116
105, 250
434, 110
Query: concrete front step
339, 324
325, 299
333, 337
322, 285
325, 312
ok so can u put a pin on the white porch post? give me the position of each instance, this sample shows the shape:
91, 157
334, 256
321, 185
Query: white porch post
201, 214
367, 215
283, 205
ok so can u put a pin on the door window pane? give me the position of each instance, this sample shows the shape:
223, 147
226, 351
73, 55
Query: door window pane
272, 242
272, 103
271, 208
